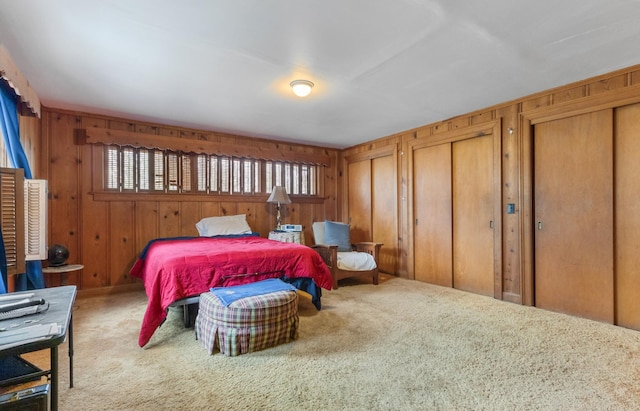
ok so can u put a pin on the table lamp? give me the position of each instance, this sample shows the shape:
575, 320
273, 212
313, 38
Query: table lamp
279, 196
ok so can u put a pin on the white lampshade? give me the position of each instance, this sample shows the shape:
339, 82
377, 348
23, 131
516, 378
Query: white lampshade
301, 88
279, 195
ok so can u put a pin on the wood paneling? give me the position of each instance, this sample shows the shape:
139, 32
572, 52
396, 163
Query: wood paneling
455, 195
433, 224
122, 246
569, 94
360, 201
142, 138
511, 188
384, 211
190, 214
627, 215
107, 232
95, 235
607, 84
147, 221
372, 198
169, 214
73, 209
573, 179
31, 143
64, 174
473, 215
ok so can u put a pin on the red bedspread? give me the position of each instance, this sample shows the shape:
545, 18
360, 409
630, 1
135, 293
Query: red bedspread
172, 269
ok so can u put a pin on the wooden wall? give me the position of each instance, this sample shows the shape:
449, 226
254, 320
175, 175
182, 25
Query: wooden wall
30, 138
514, 277
370, 185
106, 232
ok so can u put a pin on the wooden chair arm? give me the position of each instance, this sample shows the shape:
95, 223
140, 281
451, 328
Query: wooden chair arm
329, 246
328, 253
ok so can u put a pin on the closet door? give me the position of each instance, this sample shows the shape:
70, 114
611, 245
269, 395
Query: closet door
360, 200
432, 215
473, 215
384, 211
627, 187
573, 208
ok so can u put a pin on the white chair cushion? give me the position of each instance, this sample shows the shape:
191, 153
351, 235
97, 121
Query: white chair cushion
355, 261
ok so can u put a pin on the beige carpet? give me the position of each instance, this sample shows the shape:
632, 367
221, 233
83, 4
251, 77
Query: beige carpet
402, 345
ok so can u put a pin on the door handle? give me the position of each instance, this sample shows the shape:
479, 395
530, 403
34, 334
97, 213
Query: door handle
491, 224
539, 225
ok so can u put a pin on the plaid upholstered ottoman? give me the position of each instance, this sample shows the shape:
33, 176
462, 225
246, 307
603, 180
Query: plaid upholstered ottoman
248, 324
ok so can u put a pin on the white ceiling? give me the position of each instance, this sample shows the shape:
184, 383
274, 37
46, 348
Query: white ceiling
379, 66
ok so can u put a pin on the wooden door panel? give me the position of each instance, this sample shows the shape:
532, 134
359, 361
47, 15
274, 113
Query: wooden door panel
473, 208
360, 200
627, 214
573, 207
432, 213
384, 213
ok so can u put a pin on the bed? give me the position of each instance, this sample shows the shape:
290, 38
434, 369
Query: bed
172, 269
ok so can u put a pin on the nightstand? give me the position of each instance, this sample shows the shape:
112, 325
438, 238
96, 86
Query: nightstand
63, 270
287, 236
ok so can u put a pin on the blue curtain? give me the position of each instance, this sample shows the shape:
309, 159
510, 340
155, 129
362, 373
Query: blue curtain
3, 266
33, 279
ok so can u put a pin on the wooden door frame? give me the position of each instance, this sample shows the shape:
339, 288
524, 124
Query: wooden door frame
493, 128
527, 121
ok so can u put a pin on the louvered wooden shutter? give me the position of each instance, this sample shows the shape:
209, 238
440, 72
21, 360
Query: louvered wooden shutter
35, 199
12, 215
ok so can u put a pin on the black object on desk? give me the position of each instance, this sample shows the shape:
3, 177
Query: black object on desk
18, 305
60, 300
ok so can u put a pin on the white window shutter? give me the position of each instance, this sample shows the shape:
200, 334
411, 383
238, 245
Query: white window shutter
35, 221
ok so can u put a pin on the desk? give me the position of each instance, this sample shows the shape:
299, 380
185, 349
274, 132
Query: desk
60, 301
287, 236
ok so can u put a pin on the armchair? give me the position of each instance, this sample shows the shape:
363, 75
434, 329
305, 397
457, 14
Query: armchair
332, 242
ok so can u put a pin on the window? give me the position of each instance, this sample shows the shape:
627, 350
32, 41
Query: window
141, 170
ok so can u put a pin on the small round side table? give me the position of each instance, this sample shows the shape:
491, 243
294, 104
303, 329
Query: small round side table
63, 270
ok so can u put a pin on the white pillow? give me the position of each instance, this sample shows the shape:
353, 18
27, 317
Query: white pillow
224, 225
318, 232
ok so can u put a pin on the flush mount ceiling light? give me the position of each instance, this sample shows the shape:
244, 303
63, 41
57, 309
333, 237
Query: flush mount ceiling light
301, 88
